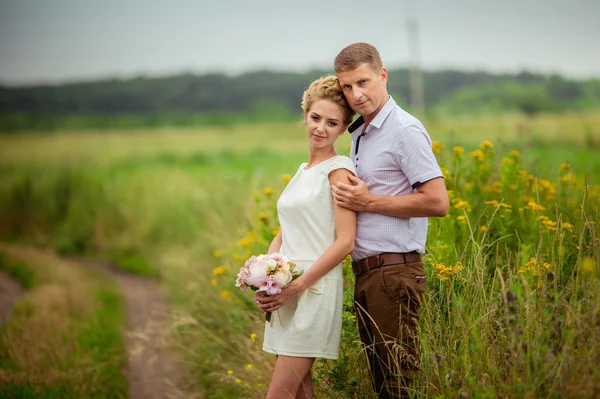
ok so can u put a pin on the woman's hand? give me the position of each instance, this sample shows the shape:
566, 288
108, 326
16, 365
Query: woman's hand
270, 303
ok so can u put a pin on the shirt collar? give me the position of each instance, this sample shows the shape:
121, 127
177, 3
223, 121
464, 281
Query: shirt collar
379, 118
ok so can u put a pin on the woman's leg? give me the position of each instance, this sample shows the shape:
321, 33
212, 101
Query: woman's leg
306, 390
288, 376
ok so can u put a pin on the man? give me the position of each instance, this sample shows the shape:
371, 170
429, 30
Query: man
399, 185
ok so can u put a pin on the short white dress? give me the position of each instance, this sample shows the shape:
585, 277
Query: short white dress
309, 325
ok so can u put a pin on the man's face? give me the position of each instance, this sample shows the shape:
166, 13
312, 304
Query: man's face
364, 89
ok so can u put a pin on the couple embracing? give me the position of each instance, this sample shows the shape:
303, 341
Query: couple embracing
373, 205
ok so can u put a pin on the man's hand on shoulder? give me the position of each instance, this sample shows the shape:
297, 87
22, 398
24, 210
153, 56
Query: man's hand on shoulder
355, 196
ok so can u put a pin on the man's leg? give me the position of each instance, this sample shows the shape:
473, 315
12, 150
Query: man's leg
392, 296
364, 284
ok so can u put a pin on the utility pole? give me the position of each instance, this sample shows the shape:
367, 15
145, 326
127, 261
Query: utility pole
417, 99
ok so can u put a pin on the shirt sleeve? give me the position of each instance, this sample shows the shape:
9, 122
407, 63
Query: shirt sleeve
342, 162
415, 156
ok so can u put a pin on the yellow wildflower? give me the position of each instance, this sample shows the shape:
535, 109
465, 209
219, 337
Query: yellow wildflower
245, 242
569, 178
437, 147
248, 367
225, 294
567, 226
486, 145
268, 191
478, 155
229, 372
462, 204
565, 166
550, 225
540, 284
263, 217
286, 178
534, 206
444, 272
483, 228
238, 381
508, 161
514, 154
253, 337
219, 271
446, 173
458, 151
213, 282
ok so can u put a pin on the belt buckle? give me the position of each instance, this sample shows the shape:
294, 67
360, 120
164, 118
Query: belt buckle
379, 260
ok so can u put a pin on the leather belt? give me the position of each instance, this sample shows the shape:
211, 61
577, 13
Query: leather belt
387, 258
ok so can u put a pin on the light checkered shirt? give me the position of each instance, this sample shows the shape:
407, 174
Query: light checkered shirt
394, 156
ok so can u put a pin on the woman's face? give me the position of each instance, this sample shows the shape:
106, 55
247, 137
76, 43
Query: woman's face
324, 123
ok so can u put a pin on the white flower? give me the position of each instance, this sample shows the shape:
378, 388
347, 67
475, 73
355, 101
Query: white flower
280, 278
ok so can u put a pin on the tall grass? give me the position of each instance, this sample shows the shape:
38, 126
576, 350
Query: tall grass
513, 296
190, 206
63, 339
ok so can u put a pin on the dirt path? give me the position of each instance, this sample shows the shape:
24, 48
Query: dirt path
10, 292
151, 370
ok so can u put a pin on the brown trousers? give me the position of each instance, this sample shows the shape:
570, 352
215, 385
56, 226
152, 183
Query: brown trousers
387, 301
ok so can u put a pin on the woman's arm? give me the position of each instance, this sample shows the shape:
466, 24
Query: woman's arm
345, 229
275, 244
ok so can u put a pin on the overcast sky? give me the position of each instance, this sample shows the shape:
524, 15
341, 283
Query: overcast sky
63, 40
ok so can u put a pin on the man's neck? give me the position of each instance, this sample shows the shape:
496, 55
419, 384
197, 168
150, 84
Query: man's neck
369, 118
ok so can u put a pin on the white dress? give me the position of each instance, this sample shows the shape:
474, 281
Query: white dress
309, 325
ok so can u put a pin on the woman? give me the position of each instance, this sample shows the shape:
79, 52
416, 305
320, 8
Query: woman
316, 235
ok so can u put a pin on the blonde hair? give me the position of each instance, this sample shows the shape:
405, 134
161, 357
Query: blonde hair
327, 88
355, 54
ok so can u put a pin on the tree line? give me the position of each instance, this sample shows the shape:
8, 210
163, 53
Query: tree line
217, 97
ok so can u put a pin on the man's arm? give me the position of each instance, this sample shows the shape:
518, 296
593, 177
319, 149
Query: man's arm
431, 199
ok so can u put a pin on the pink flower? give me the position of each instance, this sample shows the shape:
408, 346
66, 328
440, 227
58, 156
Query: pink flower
242, 276
271, 286
258, 273
269, 273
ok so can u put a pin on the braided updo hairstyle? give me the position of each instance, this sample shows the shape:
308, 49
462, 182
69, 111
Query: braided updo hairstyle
327, 88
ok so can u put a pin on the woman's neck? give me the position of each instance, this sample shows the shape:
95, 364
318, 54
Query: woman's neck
318, 155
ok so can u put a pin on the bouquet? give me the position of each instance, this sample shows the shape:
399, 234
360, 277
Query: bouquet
269, 273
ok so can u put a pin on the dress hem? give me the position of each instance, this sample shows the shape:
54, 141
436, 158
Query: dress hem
302, 354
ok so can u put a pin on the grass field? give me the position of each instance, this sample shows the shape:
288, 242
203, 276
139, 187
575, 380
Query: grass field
63, 339
513, 295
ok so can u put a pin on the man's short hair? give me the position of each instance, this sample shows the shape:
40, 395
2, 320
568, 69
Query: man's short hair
355, 54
